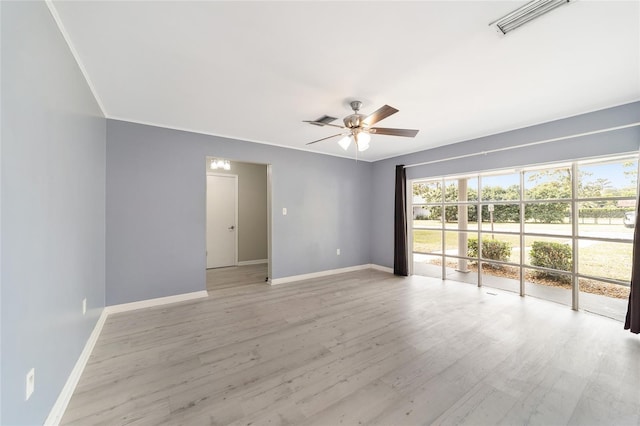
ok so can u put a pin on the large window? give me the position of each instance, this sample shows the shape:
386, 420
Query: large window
561, 232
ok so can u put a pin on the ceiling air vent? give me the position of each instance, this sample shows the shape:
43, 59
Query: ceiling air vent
526, 13
325, 119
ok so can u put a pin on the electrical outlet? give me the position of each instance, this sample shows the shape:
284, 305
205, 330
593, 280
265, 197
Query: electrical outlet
84, 306
284, 211
338, 252
31, 383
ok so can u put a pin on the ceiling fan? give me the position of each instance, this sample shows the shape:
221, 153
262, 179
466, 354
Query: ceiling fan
358, 127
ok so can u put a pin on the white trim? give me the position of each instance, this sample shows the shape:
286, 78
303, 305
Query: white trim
235, 138
319, 274
252, 262
381, 268
507, 130
372, 160
269, 221
236, 219
60, 406
74, 53
523, 145
408, 213
124, 307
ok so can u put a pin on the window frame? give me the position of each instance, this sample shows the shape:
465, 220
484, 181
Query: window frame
574, 202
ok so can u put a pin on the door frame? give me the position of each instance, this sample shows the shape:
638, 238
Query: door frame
235, 219
408, 208
269, 223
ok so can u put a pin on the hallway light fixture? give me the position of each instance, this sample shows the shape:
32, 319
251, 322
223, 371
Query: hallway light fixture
219, 163
526, 13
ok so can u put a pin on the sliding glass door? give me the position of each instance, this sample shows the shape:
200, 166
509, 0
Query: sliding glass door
560, 232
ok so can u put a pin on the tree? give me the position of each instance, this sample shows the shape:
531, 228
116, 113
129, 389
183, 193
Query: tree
501, 212
428, 192
551, 184
631, 172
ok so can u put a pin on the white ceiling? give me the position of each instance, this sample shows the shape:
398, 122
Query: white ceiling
255, 70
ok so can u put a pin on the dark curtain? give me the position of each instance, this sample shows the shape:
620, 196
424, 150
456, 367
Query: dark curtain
400, 255
632, 323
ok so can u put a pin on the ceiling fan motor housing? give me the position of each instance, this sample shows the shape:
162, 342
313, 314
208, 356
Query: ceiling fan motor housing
354, 121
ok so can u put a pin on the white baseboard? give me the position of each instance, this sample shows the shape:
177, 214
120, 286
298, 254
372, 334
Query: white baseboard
381, 268
252, 262
124, 307
60, 406
319, 274
58, 409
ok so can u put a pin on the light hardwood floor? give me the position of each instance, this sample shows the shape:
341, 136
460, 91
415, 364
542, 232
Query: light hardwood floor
236, 276
360, 348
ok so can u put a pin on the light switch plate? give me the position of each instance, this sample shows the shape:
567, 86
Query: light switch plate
31, 383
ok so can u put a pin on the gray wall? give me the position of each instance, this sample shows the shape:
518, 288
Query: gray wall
53, 210
598, 144
252, 208
156, 219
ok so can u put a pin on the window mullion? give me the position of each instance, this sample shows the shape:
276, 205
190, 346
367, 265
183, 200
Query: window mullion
479, 218
522, 251
442, 227
575, 283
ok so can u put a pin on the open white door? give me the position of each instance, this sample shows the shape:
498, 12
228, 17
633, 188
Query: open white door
222, 220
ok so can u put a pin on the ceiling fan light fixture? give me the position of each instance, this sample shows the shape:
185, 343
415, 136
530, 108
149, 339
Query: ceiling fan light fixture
362, 140
345, 142
526, 13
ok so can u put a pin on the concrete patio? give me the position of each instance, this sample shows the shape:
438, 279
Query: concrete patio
601, 305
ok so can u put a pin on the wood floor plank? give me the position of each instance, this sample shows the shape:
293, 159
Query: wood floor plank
363, 347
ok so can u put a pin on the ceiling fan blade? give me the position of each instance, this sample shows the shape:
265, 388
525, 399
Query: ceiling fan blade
320, 123
394, 132
378, 115
328, 137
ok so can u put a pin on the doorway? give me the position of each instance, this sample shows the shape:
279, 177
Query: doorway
251, 224
222, 220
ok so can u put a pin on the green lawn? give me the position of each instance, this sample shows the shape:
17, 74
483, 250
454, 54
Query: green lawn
608, 260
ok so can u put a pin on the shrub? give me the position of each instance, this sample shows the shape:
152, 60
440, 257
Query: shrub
553, 256
547, 212
491, 249
472, 247
496, 250
602, 213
